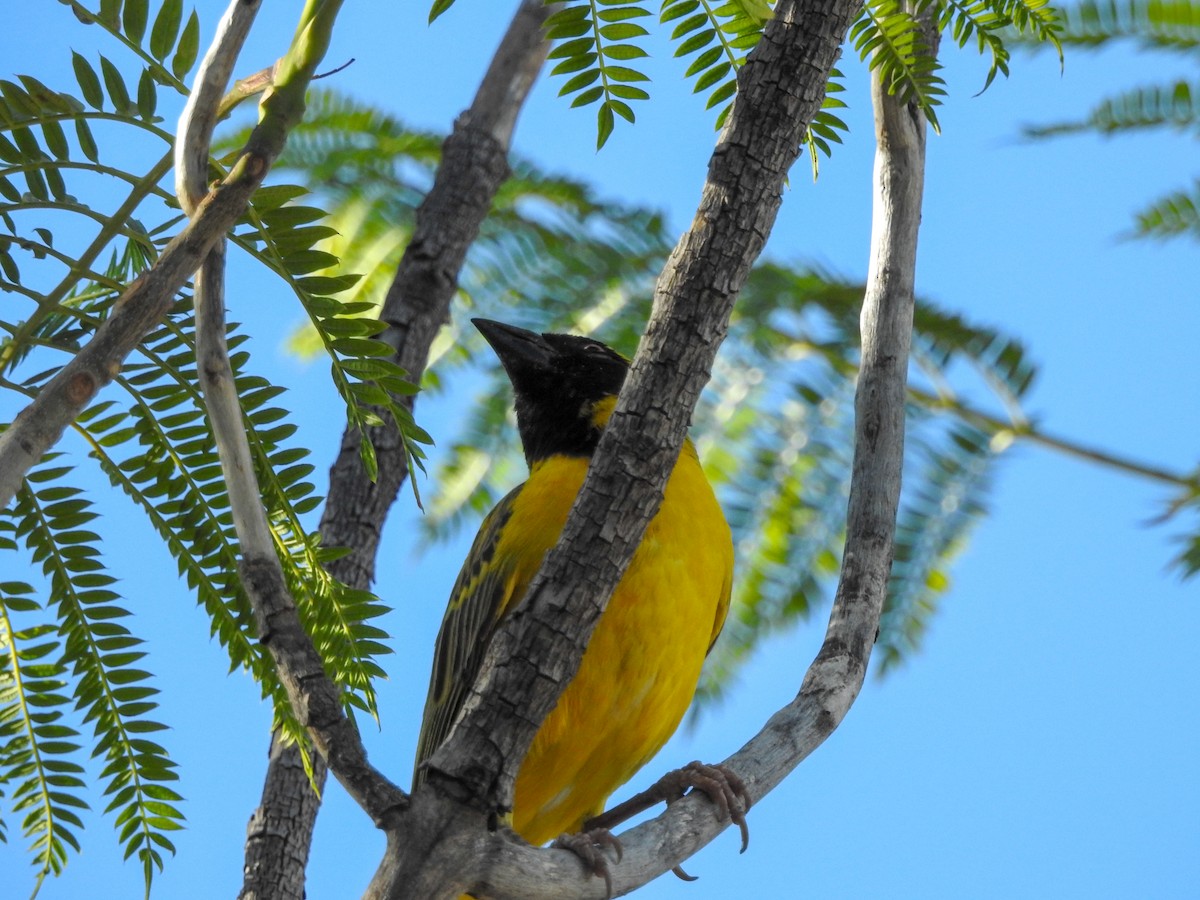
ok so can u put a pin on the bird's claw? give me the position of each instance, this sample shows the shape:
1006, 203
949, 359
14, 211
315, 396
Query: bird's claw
719, 783
589, 846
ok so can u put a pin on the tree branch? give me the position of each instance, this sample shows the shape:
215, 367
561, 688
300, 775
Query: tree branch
315, 699
781, 87
836, 675
473, 166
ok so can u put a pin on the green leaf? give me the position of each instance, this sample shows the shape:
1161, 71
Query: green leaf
627, 92
711, 77
166, 29
116, 86
622, 73
672, 11
604, 124
147, 95
56, 141
574, 64
622, 31
110, 14
591, 95
696, 42
580, 81
6, 264
134, 15
87, 143
189, 46
439, 7
89, 82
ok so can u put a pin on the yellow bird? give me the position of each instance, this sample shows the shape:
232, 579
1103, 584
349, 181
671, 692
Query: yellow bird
639, 672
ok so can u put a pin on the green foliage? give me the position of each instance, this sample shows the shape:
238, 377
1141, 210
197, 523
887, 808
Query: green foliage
545, 236
71, 679
95, 655
596, 49
1174, 105
1150, 24
1188, 559
894, 43
1178, 213
1172, 27
594, 42
774, 429
716, 36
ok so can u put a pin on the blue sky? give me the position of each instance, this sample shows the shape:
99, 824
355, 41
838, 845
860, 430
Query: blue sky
1043, 743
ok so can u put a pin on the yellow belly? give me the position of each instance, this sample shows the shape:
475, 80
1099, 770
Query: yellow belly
639, 672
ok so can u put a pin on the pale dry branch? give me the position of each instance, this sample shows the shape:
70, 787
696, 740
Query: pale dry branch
203, 107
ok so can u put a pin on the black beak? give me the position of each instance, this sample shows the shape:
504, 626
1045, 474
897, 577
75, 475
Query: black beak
520, 351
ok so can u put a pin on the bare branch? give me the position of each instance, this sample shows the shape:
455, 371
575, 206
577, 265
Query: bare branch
201, 113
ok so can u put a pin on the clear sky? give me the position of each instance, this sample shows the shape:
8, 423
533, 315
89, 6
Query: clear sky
1045, 741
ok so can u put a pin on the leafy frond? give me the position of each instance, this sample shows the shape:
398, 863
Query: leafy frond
101, 655
1187, 561
1176, 214
369, 382
891, 39
951, 468
548, 241
1172, 105
149, 436
1165, 24
1033, 22
717, 36
595, 45
36, 745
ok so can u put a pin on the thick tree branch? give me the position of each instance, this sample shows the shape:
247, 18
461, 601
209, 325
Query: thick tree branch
471, 776
474, 165
836, 675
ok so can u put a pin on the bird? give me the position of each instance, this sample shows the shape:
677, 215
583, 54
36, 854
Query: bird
639, 672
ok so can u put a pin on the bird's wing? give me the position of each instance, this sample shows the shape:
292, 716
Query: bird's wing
722, 605
479, 598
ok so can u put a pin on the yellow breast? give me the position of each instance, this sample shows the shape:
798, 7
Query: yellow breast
639, 672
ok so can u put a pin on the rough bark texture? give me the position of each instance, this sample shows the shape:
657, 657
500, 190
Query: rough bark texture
836, 675
442, 841
279, 834
474, 165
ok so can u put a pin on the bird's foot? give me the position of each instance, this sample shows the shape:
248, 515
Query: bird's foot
718, 782
589, 846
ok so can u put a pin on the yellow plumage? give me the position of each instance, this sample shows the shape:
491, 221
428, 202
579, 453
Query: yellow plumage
639, 672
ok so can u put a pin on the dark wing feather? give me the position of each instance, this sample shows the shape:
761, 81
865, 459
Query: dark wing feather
475, 605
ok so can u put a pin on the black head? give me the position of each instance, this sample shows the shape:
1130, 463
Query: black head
564, 386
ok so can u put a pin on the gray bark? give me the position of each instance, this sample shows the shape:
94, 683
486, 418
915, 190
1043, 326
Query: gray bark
447, 842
